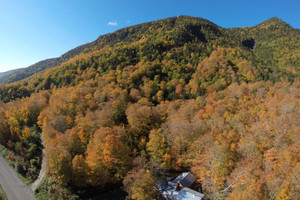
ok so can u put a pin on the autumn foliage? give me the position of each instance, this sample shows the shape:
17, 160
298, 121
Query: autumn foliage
156, 103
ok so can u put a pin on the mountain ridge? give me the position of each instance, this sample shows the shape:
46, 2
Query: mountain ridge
157, 99
183, 39
119, 35
6, 74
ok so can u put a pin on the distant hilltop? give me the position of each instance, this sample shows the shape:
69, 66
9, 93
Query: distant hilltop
183, 30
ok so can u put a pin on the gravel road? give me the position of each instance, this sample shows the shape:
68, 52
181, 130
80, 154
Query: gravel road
14, 188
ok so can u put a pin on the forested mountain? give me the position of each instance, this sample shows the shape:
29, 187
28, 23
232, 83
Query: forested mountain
160, 98
181, 30
20, 74
4, 75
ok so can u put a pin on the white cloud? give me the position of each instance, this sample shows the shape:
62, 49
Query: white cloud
112, 24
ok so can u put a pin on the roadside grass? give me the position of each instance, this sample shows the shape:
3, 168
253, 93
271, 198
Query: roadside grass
11, 158
41, 193
51, 189
2, 194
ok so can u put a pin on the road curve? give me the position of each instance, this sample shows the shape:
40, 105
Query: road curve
13, 187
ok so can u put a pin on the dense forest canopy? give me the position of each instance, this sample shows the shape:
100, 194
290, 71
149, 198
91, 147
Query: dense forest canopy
160, 98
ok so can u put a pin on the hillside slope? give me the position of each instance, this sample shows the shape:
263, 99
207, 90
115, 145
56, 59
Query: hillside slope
39, 67
183, 29
271, 47
151, 101
5, 75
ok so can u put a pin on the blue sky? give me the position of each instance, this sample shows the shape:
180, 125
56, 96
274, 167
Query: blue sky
33, 30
